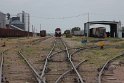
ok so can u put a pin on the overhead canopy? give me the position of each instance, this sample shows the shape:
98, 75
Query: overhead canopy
103, 22
115, 27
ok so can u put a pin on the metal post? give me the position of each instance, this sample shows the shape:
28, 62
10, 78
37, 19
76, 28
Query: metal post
88, 26
28, 24
40, 27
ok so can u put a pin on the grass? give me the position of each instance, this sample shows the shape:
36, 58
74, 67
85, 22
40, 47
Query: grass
98, 57
29, 51
79, 38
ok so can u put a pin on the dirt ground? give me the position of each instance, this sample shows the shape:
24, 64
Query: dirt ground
37, 52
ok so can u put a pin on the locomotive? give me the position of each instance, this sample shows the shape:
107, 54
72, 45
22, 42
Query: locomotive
57, 32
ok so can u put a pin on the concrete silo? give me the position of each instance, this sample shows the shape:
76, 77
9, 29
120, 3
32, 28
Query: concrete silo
25, 18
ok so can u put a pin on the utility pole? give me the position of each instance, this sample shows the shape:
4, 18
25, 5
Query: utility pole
87, 28
28, 24
88, 17
32, 30
40, 27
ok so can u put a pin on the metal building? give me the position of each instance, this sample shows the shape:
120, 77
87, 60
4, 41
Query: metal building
17, 24
25, 18
2, 20
115, 28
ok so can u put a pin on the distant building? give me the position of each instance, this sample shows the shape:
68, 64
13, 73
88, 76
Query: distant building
24, 18
2, 20
16, 23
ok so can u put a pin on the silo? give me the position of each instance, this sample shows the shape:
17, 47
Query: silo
25, 18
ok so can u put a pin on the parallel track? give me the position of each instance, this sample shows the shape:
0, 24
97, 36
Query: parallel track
1, 67
106, 65
35, 73
46, 61
72, 64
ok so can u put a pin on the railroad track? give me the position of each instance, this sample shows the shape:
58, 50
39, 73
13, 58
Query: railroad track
59, 54
2, 77
1, 67
15, 70
72, 63
105, 67
5, 66
3, 62
65, 59
35, 73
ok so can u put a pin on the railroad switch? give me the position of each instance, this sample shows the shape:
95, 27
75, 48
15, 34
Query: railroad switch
47, 70
72, 72
67, 59
106, 68
49, 59
99, 69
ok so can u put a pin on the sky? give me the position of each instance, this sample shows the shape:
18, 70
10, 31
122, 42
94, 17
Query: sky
65, 14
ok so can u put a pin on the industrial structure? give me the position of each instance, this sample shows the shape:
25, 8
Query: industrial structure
115, 28
24, 18
17, 24
2, 20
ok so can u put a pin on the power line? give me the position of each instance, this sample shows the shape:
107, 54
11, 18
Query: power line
68, 17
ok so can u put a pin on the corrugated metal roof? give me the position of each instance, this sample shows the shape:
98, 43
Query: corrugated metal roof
103, 22
16, 22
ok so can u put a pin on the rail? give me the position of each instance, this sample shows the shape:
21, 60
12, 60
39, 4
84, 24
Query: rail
1, 64
46, 61
1, 67
37, 76
105, 65
58, 80
69, 58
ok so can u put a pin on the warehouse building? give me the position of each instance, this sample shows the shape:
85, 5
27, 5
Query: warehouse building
2, 20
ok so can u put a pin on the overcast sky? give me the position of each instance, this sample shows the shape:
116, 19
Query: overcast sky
41, 10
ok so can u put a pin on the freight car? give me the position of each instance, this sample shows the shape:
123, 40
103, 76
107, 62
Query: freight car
43, 33
99, 32
13, 33
78, 33
57, 32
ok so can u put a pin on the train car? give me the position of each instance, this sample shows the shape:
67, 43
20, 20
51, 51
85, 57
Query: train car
14, 33
99, 32
43, 33
78, 33
57, 32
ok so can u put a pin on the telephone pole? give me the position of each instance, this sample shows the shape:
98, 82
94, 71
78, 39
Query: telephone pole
40, 27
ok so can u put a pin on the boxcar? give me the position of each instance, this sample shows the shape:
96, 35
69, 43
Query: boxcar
43, 33
14, 33
98, 32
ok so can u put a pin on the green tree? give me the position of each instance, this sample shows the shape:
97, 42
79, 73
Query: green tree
75, 29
